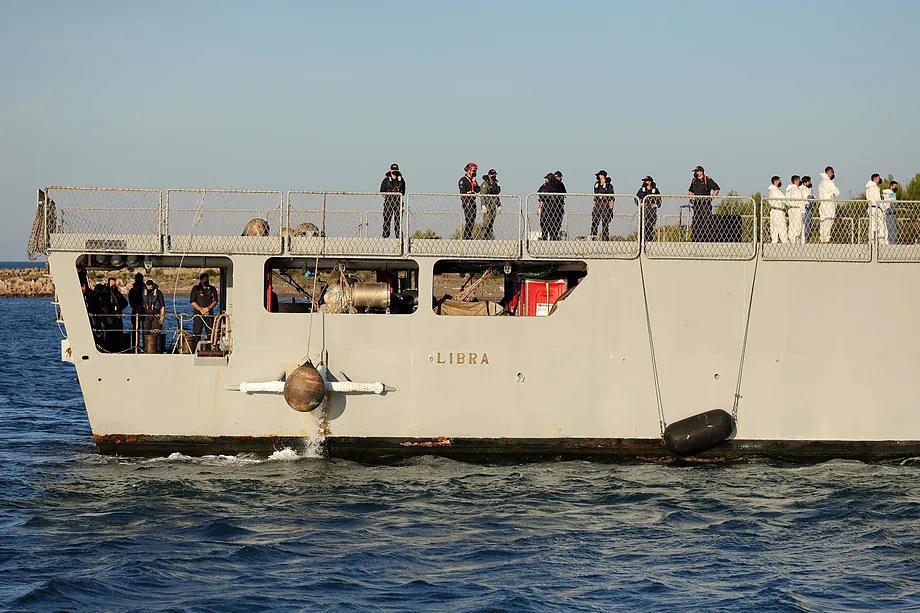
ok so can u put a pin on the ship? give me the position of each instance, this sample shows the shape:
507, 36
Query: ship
611, 336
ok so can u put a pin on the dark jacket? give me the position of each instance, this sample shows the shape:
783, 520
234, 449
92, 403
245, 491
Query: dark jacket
606, 188
389, 184
644, 191
154, 301
554, 186
136, 297
467, 186
203, 296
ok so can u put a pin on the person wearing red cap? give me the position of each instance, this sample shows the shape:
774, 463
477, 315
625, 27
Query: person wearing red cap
468, 185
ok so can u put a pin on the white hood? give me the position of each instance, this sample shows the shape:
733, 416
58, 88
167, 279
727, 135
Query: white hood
873, 194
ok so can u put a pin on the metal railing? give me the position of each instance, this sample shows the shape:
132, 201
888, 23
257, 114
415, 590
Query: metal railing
229, 221
815, 230
899, 241
104, 219
700, 227
582, 225
345, 223
474, 225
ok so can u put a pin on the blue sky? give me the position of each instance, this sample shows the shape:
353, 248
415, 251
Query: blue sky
289, 95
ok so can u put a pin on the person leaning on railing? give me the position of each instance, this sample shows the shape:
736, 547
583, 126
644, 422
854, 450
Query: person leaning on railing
705, 189
203, 299
491, 203
652, 204
602, 211
468, 185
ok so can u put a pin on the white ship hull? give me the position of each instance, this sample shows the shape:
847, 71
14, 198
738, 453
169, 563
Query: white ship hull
829, 369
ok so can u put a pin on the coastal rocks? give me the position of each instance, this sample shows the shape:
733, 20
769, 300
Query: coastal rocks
25, 282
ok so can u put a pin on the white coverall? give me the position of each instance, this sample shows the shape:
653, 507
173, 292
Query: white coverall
891, 214
777, 201
795, 201
827, 207
877, 210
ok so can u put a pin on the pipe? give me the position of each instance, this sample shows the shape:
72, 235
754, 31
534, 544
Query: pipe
342, 387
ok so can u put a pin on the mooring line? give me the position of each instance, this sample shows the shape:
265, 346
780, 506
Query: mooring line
662, 424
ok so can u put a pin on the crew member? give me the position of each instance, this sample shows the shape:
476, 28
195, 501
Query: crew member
878, 208
551, 208
558, 176
115, 332
468, 185
491, 203
827, 204
777, 201
602, 212
805, 191
795, 208
393, 183
649, 197
136, 302
203, 299
890, 195
705, 189
154, 309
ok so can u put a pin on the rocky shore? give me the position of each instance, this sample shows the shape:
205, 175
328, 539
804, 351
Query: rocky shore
32, 282
25, 282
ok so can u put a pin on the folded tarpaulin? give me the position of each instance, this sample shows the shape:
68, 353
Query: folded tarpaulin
458, 307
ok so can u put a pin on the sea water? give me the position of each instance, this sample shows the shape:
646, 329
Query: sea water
290, 532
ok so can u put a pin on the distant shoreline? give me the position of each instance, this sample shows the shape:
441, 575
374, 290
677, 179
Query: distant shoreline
30, 281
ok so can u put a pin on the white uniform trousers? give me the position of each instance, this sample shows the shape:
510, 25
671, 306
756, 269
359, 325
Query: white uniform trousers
778, 233
796, 227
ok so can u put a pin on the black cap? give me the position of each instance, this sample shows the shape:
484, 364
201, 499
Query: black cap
150, 282
648, 178
492, 171
549, 175
394, 166
600, 172
700, 168
558, 173
203, 276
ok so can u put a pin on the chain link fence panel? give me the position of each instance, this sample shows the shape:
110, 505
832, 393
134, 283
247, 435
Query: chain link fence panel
455, 225
225, 221
815, 230
700, 227
104, 219
900, 239
582, 225
345, 223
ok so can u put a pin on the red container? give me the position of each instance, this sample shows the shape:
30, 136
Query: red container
539, 296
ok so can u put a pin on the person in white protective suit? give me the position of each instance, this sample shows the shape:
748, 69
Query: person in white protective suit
827, 204
877, 209
805, 190
795, 209
890, 195
777, 201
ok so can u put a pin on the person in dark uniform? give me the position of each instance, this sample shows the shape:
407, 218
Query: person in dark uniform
705, 189
115, 330
491, 203
154, 309
136, 302
552, 207
393, 183
649, 188
203, 299
468, 185
602, 212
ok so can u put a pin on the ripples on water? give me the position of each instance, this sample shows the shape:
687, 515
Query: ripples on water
80, 531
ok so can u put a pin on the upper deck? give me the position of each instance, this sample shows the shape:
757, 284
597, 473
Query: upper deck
203, 221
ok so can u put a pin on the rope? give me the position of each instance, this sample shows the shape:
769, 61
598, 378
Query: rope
747, 327
312, 310
199, 213
662, 424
